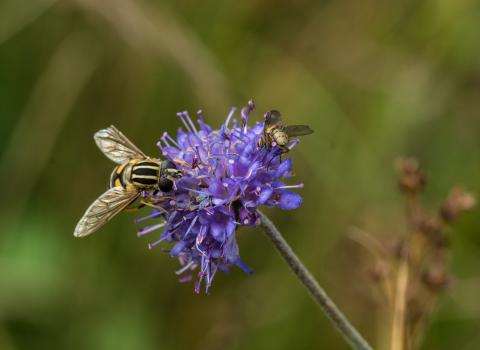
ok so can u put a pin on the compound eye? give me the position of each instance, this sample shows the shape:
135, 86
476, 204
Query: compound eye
164, 184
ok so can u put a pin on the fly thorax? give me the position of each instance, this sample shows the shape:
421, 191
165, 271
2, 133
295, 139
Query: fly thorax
144, 174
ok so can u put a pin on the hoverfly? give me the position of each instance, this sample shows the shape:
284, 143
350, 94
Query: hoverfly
278, 134
135, 174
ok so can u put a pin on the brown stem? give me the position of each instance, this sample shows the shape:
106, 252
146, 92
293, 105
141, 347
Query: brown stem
399, 311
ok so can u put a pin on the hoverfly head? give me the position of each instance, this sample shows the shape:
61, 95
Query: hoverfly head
168, 174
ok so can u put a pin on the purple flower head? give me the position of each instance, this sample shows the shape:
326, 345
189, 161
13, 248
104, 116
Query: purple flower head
226, 177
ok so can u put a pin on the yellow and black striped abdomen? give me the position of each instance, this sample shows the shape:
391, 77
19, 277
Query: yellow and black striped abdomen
145, 173
117, 179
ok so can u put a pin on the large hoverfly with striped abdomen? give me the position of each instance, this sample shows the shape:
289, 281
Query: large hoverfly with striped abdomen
134, 175
275, 133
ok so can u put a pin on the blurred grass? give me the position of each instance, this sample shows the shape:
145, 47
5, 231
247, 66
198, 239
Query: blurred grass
374, 79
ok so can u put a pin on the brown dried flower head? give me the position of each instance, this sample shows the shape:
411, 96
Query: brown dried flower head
429, 224
436, 278
411, 178
458, 201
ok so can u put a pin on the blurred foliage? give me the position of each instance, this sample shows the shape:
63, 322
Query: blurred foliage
375, 80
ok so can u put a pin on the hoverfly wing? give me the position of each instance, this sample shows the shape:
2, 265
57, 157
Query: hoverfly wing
273, 117
298, 130
103, 209
117, 146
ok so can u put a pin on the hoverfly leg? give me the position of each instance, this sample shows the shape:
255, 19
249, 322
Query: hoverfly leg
151, 202
144, 202
154, 206
134, 208
275, 154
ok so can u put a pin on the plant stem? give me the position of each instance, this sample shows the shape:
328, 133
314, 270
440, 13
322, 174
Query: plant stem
398, 322
351, 335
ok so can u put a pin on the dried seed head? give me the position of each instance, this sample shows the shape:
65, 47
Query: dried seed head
432, 227
436, 278
429, 225
411, 179
458, 201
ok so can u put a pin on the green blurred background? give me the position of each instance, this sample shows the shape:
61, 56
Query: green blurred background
375, 79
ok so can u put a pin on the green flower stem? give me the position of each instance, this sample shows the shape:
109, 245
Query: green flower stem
351, 335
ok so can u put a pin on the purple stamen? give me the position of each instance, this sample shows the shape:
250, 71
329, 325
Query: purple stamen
163, 138
195, 191
230, 115
289, 186
185, 279
185, 268
169, 138
187, 117
154, 215
293, 144
149, 229
180, 115
151, 245
191, 226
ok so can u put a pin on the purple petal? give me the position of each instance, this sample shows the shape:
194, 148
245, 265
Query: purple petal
243, 266
216, 188
285, 168
289, 200
264, 196
178, 248
217, 230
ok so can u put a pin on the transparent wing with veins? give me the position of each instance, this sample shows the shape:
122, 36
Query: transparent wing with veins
103, 209
297, 130
117, 146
